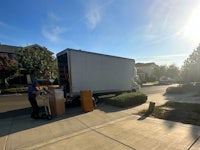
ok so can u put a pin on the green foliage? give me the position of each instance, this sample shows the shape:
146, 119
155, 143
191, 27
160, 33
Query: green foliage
157, 112
127, 99
191, 67
181, 105
14, 90
184, 88
181, 112
171, 71
159, 71
38, 61
175, 90
8, 67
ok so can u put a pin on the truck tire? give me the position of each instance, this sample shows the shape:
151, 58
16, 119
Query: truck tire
95, 99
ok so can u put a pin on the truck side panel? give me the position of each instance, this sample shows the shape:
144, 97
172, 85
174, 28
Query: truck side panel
100, 73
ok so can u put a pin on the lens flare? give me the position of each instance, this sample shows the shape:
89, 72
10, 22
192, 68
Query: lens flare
192, 28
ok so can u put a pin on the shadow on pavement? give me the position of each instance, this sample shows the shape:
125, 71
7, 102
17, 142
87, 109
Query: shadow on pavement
15, 113
19, 120
142, 117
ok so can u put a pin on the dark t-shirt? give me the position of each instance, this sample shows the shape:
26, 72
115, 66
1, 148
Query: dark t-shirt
31, 88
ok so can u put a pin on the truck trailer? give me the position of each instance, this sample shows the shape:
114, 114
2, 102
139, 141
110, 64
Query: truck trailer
102, 74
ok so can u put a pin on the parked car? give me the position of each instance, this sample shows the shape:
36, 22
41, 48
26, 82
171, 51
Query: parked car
166, 80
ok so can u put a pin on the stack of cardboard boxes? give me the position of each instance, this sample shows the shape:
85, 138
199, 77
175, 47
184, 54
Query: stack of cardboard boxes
57, 102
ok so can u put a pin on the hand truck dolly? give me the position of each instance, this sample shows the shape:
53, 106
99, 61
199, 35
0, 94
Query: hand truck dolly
45, 97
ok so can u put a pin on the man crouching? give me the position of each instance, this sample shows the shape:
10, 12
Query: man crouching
32, 93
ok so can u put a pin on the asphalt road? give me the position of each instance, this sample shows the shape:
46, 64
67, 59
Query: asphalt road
19, 101
156, 89
15, 104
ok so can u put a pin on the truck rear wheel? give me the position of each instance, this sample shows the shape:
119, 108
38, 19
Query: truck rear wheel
95, 99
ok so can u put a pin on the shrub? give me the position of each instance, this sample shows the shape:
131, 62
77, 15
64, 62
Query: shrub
181, 89
14, 90
175, 90
127, 99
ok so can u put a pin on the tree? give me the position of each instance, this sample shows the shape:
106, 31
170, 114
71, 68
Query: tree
190, 71
8, 69
160, 71
171, 71
37, 61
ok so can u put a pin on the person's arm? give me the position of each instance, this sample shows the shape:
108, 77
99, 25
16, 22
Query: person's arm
36, 92
47, 91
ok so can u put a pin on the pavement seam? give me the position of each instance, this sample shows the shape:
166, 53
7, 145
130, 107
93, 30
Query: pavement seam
55, 140
61, 138
11, 124
94, 129
113, 139
193, 143
58, 139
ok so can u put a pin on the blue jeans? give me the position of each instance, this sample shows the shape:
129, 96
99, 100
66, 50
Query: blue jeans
35, 108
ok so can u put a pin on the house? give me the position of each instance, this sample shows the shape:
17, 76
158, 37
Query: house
145, 71
8, 52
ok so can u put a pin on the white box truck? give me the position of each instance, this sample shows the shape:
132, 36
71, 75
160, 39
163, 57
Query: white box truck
102, 74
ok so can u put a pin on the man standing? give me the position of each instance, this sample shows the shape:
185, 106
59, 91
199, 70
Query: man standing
32, 93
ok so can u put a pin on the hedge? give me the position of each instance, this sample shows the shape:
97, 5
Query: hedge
127, 99
14, 90
184, 88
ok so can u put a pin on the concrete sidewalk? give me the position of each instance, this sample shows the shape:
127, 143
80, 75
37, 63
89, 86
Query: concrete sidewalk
105, 128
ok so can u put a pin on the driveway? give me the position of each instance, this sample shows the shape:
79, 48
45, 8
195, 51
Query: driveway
105, 128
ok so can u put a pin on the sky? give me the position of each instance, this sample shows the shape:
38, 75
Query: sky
162, 31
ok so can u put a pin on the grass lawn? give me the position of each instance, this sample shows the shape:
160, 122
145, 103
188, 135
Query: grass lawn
179, 112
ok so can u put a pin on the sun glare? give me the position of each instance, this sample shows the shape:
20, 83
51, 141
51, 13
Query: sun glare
192, 28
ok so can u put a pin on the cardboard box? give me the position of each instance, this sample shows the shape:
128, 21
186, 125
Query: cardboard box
57, 102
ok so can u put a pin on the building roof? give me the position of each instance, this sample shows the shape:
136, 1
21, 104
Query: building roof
144, 64
8, 48
12, 49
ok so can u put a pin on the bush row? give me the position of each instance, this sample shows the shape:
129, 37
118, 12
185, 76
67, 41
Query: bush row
14, 90
127, 99
183, 88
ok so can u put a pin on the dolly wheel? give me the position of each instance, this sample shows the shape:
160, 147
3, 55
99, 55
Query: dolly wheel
49, 117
